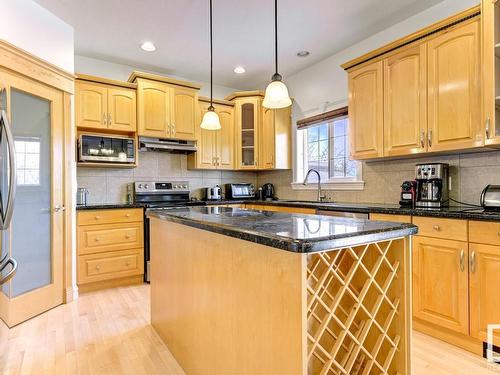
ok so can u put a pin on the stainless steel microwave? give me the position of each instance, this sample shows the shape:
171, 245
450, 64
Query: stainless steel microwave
106, 149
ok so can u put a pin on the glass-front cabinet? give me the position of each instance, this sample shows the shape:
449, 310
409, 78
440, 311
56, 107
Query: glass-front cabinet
490, 18
248, 117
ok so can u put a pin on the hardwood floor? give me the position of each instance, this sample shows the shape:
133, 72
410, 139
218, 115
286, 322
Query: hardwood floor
108, 332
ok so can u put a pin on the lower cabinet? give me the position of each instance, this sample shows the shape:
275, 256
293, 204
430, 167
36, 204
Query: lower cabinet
110, 247
440, 282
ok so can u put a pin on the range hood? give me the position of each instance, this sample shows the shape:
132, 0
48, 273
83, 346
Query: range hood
166, 145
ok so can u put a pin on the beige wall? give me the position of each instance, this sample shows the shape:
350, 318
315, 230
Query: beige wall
470, 174
110, 185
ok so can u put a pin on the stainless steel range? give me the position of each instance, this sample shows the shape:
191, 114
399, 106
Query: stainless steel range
156, 194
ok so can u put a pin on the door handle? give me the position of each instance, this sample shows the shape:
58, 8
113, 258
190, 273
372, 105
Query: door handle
59, 207
11, 273
462, 265
473, 262
4, 121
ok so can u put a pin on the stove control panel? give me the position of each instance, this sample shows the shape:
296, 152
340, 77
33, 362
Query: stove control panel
160, 187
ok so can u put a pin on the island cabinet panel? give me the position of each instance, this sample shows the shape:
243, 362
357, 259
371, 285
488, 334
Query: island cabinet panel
405, 102
454, 89
366, 111
484, 298
110, 247
440, 282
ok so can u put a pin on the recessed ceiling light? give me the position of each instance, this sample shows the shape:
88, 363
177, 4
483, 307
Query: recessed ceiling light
148, 46
239, 70
303, 53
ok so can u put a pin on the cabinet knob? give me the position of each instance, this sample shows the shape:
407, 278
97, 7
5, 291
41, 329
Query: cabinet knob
127, 263
127, 237
98, 268
97, 239
127, 215
436, 227
97, 217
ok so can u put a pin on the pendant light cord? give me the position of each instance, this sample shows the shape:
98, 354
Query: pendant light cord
211, 59
275, 34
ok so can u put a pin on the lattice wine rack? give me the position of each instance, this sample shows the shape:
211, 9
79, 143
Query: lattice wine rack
357, 310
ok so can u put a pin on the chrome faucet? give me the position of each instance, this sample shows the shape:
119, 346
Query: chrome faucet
320, 197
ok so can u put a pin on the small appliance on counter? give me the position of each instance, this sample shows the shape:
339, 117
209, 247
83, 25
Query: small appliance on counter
239, 191
82, 196
213, 193
268, 192
490, 198
432, 185
408, 194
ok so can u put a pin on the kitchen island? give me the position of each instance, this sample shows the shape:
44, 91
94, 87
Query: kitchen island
236, 291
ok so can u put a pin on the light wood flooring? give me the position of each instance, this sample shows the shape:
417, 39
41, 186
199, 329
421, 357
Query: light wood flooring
108, 332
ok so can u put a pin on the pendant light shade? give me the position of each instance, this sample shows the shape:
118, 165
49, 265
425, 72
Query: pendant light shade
210, 119
276, 92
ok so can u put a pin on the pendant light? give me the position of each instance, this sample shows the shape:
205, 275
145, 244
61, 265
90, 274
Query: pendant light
211, 118
276, 92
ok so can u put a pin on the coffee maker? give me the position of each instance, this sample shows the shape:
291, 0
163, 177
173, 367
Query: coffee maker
432, 185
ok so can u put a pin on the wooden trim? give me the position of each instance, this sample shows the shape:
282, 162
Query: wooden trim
29, 65
308, 121
420, 34
155, 77
216, 101
244, 94
106, 81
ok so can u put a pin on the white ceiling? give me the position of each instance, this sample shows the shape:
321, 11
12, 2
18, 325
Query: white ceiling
112, 30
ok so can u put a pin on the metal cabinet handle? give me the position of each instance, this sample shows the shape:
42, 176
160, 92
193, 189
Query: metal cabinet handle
127, 215
3, 264
173, 129
429, 137
487, 126
104, 119
462, 265
436, 227
473, 262
110, 121
422, 139
98, 268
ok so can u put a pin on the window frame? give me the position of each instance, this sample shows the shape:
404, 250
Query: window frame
300, 164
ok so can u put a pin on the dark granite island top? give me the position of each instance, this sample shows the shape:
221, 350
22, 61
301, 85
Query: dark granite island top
292, 232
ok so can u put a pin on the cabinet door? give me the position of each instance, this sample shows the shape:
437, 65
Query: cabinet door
153, 105
247, 137
484, 296
225, 138
454, 94
366, 111
91, 105
490, 17
185, 116
405, 102
122, 109
440, 282
267, 139
206, 144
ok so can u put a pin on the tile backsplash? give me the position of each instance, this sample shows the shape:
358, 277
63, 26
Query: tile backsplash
109, 185
470, 173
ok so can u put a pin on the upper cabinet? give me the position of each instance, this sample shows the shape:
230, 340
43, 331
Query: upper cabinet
248, 119
419, 94
490, 20
105, 105
366, 117
454, 91
215, 147
167, 108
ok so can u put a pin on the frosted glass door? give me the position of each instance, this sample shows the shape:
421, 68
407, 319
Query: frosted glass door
34, 237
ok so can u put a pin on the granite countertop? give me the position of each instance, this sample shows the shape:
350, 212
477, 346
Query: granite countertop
292, 232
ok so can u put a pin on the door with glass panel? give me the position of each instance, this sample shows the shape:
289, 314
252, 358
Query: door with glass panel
34, 237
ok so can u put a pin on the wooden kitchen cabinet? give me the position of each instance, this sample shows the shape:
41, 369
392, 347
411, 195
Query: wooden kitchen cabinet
110, 247
102, 104
366, 111
454, 89
215, 147
167, 108
275, 139
405, 102
247, 120
440, 283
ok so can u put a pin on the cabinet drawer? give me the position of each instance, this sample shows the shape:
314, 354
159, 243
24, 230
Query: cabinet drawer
107, 266
484, 232
109, 237
396, 218
110, 216
441, 228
